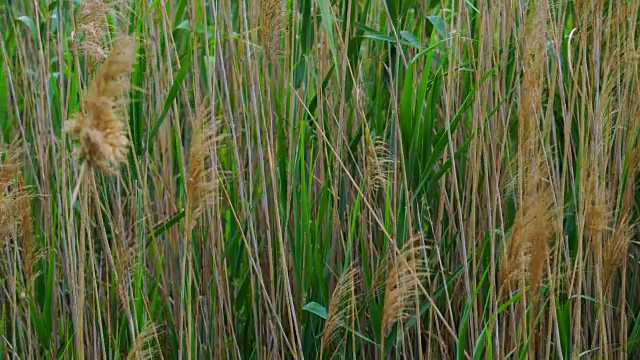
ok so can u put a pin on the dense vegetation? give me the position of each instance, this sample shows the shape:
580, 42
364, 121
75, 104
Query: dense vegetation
319, 178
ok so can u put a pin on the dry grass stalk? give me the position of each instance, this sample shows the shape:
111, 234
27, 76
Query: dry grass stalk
407, 271
101, 129
26, 234
341, 306
146, 346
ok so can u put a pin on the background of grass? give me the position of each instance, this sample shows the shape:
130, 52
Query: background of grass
349, 130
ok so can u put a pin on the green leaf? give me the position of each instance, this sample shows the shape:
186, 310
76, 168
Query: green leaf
29, 22
317, 309
325, 11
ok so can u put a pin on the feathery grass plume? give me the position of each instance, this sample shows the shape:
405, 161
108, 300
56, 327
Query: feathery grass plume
407, 270
10, 199
11, 164
341, 306
200, 186
526, 251
101, 129
616, 250
93, 25
7, 219
596, 214
378, 162
125, 251
534, 53
271, 26
146, 346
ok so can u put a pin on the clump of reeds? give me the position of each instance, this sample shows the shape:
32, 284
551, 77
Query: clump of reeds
100, 129
341, 306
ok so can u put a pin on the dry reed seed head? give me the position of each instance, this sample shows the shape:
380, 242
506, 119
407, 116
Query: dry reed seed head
526, 251
596, 214
271, 26
125, 252
10, 166
341, 306
101, 130
407, 271
93, 25
616, 250
146, 345
378, 163
7, 219
534, 54
201, 179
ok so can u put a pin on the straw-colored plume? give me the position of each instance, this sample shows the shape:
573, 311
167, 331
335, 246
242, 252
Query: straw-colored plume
616, 250
525, 253
125, 251
378, 163
101, 128
10, 197
10, 165
341, 306
407, 271
93, 25
146, 345
271, 26
201, 180
596, 215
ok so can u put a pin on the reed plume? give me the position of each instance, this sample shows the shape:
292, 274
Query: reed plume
146, 345
101, 129
526, 252
11, 197
341, 306
378, 162
200, 183
10, 165
271, 26
407, 271
93, 25
616, 251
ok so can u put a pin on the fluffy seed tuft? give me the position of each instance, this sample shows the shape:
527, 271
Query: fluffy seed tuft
100, 130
